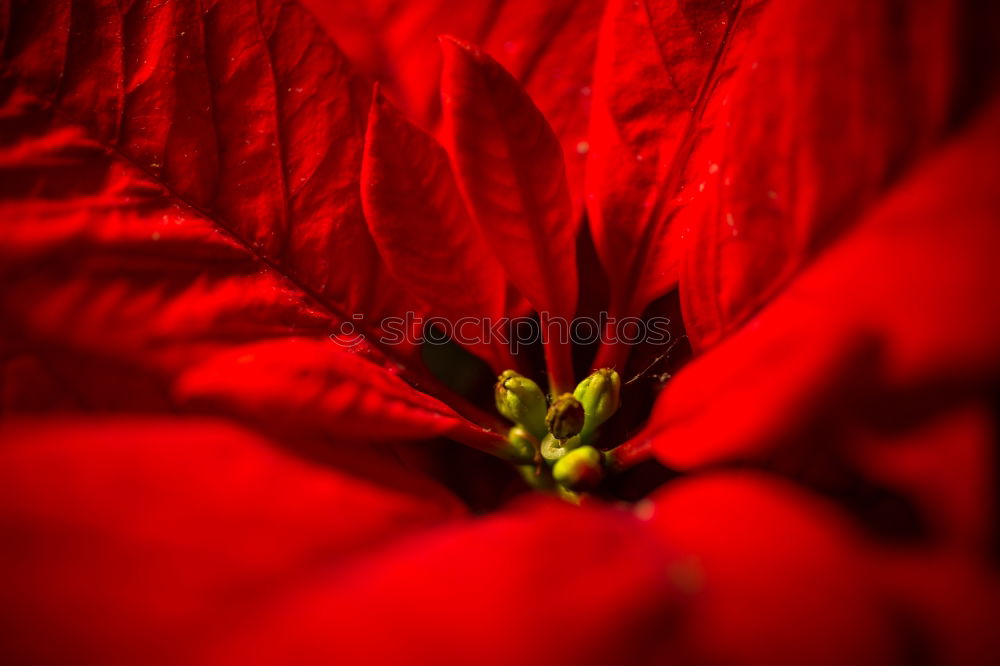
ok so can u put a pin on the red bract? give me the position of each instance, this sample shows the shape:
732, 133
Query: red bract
211, 455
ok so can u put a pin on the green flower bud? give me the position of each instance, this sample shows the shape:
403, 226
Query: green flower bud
565, 417
538, 477
568, 495
600, 395
553, 449
520, 400
579, 469
524, 445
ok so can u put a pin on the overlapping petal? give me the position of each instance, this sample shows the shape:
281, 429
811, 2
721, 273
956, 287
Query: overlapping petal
312, 387
395, 43
252, 115
748, 147
424, 232
181, 229
714, 574
178, 182
775, 575
136, 540
548, 45
802, 130
656, 66
893, 311
511, 172
545, 583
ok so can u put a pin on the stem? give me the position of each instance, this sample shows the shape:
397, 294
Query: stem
483, 440
629, 454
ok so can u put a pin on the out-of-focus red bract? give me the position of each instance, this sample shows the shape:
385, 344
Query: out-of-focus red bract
176, 528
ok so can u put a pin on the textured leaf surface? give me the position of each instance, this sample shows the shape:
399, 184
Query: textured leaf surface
300, 385
395, 43
728, 151
548, 45
253, 116
179, 181
656, 62
842, 334
805, 129
181, 229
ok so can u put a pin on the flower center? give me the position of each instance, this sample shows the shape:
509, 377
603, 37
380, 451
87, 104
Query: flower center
555, 437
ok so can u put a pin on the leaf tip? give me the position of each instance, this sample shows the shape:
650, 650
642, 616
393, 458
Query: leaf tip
452, 46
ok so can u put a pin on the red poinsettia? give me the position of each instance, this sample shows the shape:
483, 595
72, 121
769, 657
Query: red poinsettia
209, 216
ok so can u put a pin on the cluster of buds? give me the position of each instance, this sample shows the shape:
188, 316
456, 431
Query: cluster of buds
560, 431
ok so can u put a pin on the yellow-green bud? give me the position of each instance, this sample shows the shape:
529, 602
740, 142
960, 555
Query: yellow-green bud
565, 417
600, 395
568, 495
579, 469
524, 445
553, 449
520, 400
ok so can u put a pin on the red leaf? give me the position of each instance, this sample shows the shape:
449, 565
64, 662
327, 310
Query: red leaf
652, 76
422, 228
511, 171
954, 601
805, 128
253, 118
548, 45
301, 385
623, 606
203, 195
955, 505
843, 334
134, 540
394, 42
775, 576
